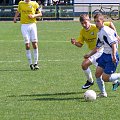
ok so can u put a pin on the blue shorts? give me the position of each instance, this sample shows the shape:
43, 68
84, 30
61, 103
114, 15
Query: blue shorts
105, 62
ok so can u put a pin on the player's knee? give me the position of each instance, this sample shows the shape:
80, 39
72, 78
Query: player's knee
97, 75
27, 46
85, 65
35, 46
105, 78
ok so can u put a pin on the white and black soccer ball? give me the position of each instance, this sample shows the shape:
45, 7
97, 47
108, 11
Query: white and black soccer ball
90, 95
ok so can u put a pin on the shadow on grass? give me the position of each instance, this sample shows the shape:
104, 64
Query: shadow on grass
66, 96
14, 70
50, 97
53, 99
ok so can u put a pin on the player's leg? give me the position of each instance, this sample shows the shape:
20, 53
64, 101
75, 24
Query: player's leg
100, 82
29, 56
112, 78
85, 66
25, 33
35, 52
98, 75
97, 59
34, 40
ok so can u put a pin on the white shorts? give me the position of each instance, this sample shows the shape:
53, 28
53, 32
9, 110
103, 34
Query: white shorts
94, 57
29, 32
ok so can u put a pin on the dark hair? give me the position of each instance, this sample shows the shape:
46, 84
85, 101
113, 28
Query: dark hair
99, 15
84, 17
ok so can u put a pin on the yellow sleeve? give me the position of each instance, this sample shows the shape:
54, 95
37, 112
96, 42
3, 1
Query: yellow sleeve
37, 8
37, 5
107, 24
19, 6
80, 38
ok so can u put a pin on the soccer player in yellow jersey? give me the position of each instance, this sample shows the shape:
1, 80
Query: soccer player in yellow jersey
88, 35
29, 11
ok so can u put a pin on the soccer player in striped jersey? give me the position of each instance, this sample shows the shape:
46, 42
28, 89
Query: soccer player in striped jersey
108, 61
88, 35
29, 11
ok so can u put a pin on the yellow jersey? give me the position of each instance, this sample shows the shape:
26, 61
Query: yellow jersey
90, 36
25, 9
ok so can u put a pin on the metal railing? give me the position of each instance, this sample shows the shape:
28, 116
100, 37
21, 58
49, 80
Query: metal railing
49, 12
68, 12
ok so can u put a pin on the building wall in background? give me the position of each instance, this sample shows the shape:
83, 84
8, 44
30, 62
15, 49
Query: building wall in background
84, 7
96, 1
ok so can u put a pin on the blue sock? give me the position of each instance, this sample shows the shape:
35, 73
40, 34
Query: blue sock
101, 85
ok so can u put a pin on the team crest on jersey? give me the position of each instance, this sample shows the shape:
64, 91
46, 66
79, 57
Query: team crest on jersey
30, 6
92, 33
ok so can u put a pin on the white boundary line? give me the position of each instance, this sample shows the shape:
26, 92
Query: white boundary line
54, 60
18, 61
54, 41
38, 41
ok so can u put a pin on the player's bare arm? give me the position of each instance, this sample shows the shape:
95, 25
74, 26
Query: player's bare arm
38, 14
91, 53
113, 27
114, 53
118, 37
74, 42
34, 16
16, 16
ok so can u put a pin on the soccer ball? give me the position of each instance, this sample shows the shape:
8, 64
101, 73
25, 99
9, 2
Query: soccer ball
90, 95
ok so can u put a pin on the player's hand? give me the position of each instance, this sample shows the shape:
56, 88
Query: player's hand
31, 16
118, 39
114, 59
73, 41
15, 20
86, 56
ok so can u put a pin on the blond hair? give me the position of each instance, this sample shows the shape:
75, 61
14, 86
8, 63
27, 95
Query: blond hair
84, 17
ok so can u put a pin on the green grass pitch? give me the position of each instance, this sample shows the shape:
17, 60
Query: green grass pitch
53, 92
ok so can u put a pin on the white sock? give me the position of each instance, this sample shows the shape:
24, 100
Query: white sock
114, 82
101, 85
29, 57
114, 77
88, 75
35, 52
